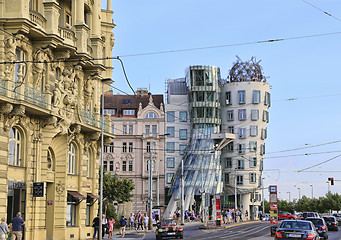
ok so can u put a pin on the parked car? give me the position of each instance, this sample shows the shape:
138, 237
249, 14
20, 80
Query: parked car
285, 215
320, 226
296, 229
168, 228
332, 224
309, 214
338, 217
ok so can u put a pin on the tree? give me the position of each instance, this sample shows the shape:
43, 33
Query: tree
115, 189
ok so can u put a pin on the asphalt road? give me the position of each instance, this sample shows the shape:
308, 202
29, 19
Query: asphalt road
254, 231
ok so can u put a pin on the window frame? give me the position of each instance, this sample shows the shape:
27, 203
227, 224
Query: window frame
17, 140
170, 147
181, 135
256, 96
182, 116
254, 114
72, 158
241, 114
241, 97
170, 116
230, 115
170, 162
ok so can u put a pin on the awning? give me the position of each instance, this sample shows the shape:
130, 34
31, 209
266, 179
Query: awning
92, 196
76, 195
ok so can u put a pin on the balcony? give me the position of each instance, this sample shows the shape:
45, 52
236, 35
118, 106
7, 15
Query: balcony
35, 97
68, 35
37, 18
89, 117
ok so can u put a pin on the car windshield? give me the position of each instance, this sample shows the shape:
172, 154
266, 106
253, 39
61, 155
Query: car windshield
296, 225
316, 221
329, 219
309, 214
168, 222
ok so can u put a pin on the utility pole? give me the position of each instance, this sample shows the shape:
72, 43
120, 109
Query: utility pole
158, 190
182, 193
235, 190
150, 189
263, 195
312, 191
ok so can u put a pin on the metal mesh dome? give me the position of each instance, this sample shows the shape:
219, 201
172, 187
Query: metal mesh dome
246, 71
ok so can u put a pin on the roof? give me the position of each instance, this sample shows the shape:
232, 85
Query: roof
130, 102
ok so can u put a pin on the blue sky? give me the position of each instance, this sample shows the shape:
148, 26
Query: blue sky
306, 69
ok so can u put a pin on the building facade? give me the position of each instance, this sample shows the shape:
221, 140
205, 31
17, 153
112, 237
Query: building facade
231, 114
178, 127
49, 110
139, 126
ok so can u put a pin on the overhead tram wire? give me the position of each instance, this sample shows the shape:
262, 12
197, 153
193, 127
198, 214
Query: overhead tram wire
312, 146
318, 164
303, 154
321, 10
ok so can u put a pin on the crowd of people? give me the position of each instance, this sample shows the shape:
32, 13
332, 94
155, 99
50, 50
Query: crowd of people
12, 231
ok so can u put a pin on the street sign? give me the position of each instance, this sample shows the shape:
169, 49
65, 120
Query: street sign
273, 209
273, 189
38, 189
207, 200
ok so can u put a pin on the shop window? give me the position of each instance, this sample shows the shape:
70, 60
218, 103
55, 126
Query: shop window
71, 211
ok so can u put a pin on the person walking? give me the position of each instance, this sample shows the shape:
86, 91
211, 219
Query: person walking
131, 221
17, 223
157, 217
3, 229
111, 226
123, 224
95, 224
140, 222
104, 225
145, 221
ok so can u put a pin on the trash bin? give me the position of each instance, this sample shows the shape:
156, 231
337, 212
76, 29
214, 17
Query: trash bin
218, 223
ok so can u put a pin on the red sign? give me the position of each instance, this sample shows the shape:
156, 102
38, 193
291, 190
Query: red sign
106, 206
50, 202
218, 205
273, 206
88, 184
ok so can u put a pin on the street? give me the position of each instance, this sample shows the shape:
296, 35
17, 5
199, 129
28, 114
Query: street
255, 231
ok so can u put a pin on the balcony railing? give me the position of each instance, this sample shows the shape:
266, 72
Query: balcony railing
89, 117
68, 34
35, 96
37, 18
3, 88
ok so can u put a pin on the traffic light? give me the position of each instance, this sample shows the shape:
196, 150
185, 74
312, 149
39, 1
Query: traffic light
331, 181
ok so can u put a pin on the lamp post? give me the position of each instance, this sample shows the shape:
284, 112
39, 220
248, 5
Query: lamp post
235, 190
182, 193
312, 191
150, 197
263, 196
104, 81
299, 193
289, 196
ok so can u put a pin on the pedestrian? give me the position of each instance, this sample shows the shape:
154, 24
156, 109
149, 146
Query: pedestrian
145, 221
140, 222
95, 224
246, 215
123, 224
131, 221
111, 226
3, 229
157, 217
17, 223
104, 225
240, 216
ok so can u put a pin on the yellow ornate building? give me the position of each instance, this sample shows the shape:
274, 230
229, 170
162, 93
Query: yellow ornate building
50, 89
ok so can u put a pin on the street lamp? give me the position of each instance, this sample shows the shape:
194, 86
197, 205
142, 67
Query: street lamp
235, 190
299, 193
263, 195
104, 81
289, 196
312, 191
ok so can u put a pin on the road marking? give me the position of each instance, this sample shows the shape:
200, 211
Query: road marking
261, 228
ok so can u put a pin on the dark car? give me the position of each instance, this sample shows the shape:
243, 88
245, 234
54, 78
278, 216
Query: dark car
168, 228
320, 226
309, 214
297, 229
338, 217
285, 215
332, 224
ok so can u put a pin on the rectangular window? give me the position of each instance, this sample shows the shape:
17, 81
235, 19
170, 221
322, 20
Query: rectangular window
130, 166
105, 149
230, 129
228, 98
253, 131
154, 129
241, 96
71, 211
129, 112
171, 131
209, 97
170, 162
124, 147
254, 114
256, 96
183, 116
170, 147
200, 112
126, 101
253, 146
170, 116
267, 101
148, 146
105, 165
253, 178
169, 177
200, 96
242, 132
229, 147
111, 147
183, 134
182, 148
111, 166
130, 148
87, 211
19, 67
240, 164
228, 162
253, 162
240, 180
241, 148
209, 112
264, 134
124, 166
124, 131
227, 178
242, 114
265, 116
262, 149
229, 115
112, 129
131, 129
147, 129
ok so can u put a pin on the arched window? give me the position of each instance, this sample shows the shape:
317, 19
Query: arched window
151, 115
15, 146
50, 160
72, 159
